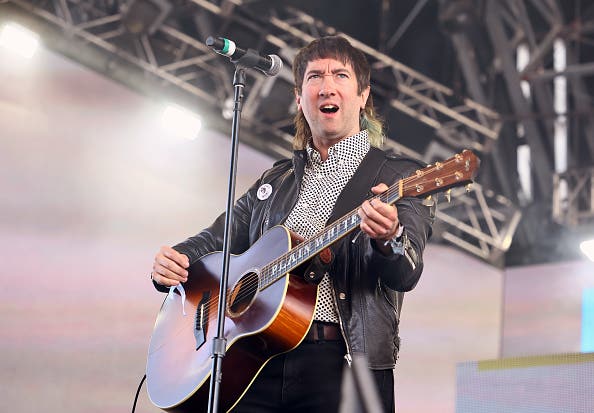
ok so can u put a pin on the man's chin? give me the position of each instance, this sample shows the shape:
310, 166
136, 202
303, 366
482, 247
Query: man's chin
331, 136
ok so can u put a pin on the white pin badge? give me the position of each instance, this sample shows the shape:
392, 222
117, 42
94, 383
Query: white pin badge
264, 192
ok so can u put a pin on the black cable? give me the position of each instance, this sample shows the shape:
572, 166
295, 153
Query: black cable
137, 393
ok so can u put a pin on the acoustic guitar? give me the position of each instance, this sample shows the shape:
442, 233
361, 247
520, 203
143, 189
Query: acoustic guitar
268, 311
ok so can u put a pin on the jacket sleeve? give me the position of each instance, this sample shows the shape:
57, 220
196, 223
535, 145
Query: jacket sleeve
211, 239
402, 272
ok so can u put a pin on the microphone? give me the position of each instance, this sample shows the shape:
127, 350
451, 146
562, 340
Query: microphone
270, 65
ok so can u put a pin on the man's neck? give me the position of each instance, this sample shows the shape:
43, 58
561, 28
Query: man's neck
323, 144
322, 147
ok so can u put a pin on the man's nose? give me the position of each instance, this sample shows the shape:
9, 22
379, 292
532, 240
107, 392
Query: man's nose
327, 87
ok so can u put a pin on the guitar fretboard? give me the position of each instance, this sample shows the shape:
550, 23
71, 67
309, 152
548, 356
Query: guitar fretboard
455, 171
287, 262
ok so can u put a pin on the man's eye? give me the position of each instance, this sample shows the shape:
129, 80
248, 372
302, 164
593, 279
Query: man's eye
316, 76
342, 75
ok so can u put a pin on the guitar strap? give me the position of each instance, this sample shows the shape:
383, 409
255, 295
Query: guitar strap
355, 191
359, 186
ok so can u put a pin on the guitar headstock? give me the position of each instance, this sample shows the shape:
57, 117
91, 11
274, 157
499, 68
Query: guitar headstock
458, 170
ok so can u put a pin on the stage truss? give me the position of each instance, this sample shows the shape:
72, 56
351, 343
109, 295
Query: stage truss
173, 57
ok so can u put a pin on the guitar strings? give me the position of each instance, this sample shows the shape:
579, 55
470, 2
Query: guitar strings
249, 287
385, 196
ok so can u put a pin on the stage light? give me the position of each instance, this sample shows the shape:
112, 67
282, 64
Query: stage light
227, 110
19, 40
181, 122
587, 248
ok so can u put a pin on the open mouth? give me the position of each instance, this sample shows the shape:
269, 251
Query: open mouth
329, 109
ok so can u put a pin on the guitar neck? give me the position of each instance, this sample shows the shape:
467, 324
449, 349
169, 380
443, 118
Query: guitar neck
331, 234
455, 171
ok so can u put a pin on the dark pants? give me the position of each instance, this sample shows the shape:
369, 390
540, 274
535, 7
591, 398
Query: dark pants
307, 379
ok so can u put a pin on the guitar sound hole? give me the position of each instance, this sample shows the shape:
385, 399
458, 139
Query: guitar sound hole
242, 294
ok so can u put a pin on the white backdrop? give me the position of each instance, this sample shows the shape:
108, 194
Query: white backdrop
91, 187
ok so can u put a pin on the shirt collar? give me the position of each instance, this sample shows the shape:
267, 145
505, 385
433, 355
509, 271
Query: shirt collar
356, 146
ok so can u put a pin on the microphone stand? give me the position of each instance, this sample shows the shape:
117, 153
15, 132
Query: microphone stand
219, 344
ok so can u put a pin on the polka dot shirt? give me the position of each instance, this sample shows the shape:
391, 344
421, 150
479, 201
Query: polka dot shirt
322, 182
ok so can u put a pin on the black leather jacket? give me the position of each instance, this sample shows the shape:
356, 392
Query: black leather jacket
368, 285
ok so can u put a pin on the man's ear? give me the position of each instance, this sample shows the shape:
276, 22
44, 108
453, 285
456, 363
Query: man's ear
365, 96
297, 99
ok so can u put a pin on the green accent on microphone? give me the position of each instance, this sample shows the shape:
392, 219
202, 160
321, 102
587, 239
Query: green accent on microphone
225, 48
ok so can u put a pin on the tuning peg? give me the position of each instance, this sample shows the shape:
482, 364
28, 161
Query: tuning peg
448, 195
428, 201
468, 187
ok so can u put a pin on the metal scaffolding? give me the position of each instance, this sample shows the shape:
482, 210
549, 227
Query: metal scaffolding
575, 205
170, 56
487, 46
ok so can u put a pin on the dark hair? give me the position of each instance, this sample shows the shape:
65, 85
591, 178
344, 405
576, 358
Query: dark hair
340, 49
332, 47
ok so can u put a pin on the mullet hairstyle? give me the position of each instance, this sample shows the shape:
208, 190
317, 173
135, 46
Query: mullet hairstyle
337, 48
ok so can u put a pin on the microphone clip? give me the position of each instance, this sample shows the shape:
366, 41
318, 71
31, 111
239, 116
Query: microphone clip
249, 59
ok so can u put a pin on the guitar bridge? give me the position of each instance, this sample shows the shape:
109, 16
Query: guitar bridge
201, 320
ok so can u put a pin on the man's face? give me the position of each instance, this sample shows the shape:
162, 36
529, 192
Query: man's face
329, 99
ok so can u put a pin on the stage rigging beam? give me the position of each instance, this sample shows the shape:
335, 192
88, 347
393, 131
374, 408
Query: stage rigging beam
482, 225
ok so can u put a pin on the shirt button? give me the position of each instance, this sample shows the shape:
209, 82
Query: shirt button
342, 296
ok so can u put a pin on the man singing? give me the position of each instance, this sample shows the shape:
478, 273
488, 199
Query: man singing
336, 163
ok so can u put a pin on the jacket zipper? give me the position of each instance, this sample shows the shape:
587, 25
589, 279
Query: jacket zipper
348, 356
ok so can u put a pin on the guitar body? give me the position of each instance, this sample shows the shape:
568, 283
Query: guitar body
259, 324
